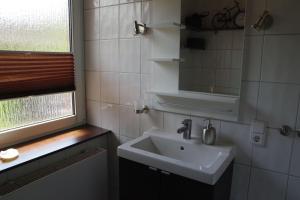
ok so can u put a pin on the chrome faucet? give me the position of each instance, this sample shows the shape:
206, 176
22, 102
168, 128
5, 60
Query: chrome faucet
186, 129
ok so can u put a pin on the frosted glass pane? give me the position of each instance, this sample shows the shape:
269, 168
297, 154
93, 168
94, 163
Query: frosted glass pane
25, 111
34, 25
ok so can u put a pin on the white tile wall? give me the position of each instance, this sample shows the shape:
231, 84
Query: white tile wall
129, 88
110, 87
237, 135
128, 14
281, 59
109, 22
277, 104
293, 192
92, 85
240, 182
130, 55
252, 58
129, 122
118, 72
91, 24
109, 55
92, 59
276, 154
295, 161
93, 113
267, 185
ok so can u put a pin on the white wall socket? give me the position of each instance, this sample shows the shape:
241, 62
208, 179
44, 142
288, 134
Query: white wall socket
258, 133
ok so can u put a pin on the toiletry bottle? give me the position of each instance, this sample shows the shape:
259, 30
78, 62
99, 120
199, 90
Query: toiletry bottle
209, 134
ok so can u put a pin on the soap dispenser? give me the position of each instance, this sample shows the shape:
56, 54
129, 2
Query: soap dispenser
209, 134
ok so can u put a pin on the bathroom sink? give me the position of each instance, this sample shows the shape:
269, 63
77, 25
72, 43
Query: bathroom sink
188, 158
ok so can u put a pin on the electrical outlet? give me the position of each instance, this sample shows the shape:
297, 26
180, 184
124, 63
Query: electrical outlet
258, 133
258, 139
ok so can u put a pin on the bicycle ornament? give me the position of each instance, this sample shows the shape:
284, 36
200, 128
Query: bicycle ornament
229, 18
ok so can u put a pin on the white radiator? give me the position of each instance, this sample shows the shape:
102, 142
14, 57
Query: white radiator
85, 179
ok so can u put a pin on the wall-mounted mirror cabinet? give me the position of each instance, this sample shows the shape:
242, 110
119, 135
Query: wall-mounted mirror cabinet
197, 55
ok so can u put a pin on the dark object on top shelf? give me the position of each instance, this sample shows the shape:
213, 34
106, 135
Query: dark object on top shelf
194, 22
229, 18
195, 43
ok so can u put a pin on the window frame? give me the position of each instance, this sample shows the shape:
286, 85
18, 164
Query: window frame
33, 131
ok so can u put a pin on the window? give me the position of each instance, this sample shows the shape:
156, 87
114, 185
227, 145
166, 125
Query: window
35, 26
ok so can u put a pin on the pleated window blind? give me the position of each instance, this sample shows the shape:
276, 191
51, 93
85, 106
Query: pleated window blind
26, 74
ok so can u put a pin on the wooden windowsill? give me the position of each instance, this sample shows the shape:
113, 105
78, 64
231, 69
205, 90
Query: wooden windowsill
44, 146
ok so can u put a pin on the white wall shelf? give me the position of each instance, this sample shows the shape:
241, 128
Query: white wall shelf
167, 59
200, 96
198, 104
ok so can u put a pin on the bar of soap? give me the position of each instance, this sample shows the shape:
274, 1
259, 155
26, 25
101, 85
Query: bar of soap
9, 155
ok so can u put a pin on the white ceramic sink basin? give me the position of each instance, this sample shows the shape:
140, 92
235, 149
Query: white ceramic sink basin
188, 158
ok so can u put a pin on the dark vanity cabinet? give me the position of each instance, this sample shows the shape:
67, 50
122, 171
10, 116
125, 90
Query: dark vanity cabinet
141, 182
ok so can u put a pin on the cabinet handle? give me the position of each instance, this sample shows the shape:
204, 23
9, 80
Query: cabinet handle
153, 168
165, 173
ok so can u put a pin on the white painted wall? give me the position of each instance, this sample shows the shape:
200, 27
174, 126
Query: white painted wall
119, 73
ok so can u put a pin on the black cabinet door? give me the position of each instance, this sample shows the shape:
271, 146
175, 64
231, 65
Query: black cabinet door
176, 187
138, 182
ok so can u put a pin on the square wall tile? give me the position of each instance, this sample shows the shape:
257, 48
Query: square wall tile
92, 51
92, 24
239, 136
277, 104
146, 48
252, 58
92, 85
110, 117
276, 154
129, 122
110, 87
286, 15
152, 119
146, 12
223, 58
295, 161
238, 40
129, 88
128, 14
281, 59
267, 185
93, 113
109, 55
293, 192
237, 59
146, 97
240, 182
130, 55
88, 4
248, 101
224, 40
172, 122
108, 2
109, 22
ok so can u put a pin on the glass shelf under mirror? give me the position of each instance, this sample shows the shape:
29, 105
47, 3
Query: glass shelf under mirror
167, 59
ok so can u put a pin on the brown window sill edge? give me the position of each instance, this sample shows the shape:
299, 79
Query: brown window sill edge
39, 148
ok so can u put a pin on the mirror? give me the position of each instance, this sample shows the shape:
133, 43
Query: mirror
211, 48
